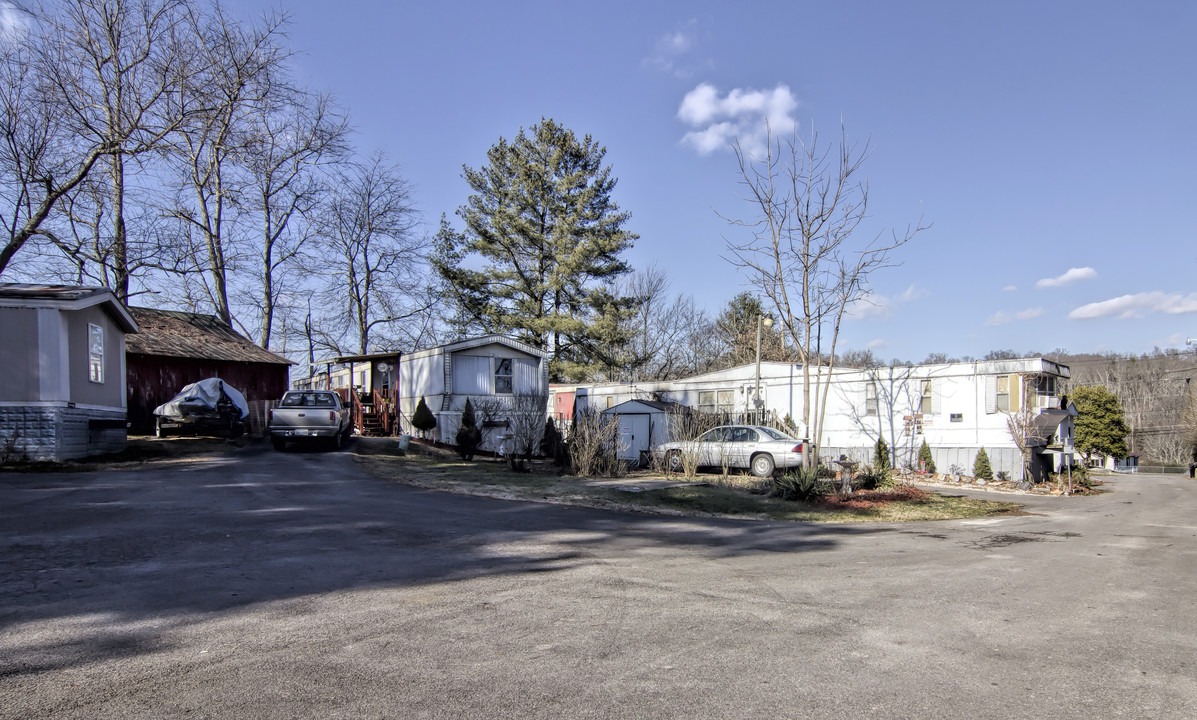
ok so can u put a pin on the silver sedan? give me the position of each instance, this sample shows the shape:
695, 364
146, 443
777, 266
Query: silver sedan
757, 448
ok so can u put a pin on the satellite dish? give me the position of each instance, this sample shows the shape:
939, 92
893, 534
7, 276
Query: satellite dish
383, 367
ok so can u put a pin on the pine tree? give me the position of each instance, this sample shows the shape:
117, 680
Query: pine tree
548, 235
981, 467
469, 437
1099, 427
926, 458
423, 419
881, 456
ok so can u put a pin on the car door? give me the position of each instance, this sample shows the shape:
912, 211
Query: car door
741, 444
710, 447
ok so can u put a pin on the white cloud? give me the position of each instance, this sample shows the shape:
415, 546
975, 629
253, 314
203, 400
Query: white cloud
1138, 305
877, 306
1068, 278
876, 344
740, 115
671, 49
1010, 288
1002, 318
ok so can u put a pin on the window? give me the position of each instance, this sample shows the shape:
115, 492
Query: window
610, 402
95, 353
957, 417
925, 406
503, 376
1003, 393
712, 401
871, 399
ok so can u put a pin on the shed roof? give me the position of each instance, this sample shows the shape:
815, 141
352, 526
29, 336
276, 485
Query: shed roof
171, 333
70, 297
628, 406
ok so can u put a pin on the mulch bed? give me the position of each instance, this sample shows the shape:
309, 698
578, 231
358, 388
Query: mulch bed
866, 499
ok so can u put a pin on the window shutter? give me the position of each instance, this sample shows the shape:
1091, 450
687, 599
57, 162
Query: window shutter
1015, 393
990, 394
935, 398
527, 376
472, 376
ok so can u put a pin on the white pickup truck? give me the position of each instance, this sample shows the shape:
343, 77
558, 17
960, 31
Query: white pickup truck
310, 415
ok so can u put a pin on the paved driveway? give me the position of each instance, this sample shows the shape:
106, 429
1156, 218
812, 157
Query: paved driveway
280, 586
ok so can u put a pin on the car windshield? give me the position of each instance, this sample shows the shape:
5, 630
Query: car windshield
776, 434
308, 399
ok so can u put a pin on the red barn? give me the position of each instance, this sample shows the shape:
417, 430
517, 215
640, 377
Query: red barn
175, 349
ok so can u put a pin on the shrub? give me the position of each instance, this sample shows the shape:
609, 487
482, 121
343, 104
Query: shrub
871, 478
469, 437
423, 419
594, 446
981, 468
800, 486
881, 456
925, 458
551, 445
1003, 475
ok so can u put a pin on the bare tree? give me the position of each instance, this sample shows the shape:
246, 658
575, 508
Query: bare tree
115, 73
40, 158
287, 145
809, 202
241, 71
373, 259
526, 417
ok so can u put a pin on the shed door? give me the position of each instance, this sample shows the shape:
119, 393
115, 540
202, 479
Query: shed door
633, 436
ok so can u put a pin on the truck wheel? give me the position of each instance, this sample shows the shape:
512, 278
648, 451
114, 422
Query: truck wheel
338, 441
278, 443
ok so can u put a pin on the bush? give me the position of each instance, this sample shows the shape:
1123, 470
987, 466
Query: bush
925, 458
469, 437
594, 446
872, 478
881, 456
552, 444
981, 468
799, 486
423, 419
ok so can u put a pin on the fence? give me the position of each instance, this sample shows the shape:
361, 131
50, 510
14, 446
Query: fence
259, 416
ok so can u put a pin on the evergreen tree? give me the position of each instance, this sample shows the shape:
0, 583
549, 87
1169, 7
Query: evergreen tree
549, 236
423, 419
550, 443
925, 457
1100, 427
881, 456
469, 437
981, 467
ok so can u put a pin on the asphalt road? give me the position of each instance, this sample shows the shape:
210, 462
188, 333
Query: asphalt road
291, 585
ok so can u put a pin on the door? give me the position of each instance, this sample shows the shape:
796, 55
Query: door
633, 436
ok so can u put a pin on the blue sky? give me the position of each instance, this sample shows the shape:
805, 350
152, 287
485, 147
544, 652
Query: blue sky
1050, 144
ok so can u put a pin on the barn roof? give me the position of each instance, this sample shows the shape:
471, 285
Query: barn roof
170, 333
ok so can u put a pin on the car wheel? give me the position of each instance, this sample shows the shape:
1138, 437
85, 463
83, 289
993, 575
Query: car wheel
278, 443
674, 461
762, 465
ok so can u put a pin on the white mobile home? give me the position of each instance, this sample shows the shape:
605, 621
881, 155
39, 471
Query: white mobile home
491, 371
957, 408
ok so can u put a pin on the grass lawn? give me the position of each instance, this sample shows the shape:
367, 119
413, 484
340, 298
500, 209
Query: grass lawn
711, 495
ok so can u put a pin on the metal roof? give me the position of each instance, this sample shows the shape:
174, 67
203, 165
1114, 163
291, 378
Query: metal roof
69, 297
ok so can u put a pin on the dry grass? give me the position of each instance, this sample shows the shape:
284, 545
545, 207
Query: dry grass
737, 496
